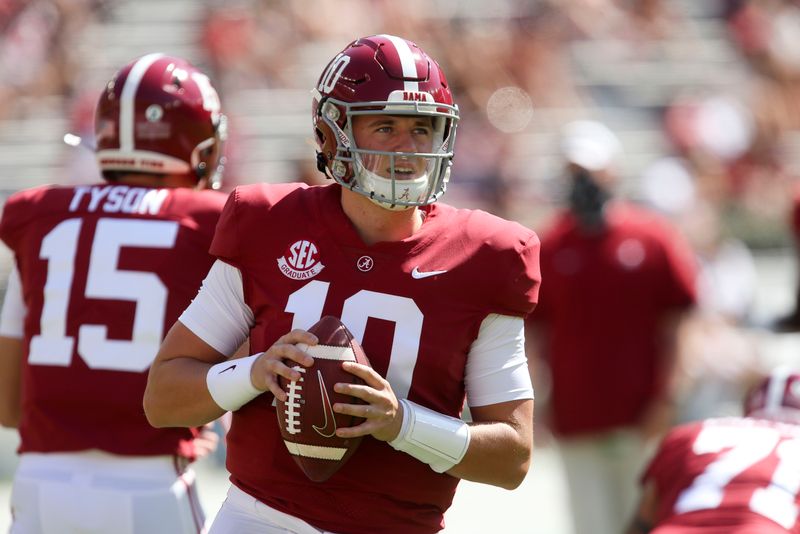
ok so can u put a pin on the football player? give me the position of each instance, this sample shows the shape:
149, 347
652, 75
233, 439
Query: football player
734, 475
436, 296
101, 272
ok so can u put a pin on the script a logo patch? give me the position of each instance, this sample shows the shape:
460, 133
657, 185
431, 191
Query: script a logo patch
301, 261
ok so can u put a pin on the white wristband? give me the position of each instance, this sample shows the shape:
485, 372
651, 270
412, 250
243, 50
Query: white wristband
229, 383
438, 440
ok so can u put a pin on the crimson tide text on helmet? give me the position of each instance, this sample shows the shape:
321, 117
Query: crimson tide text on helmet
159, 114
777, 397
384, 75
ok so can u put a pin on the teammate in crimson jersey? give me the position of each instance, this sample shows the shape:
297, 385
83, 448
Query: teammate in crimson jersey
618, 279
101, 272
729, 475
436, 296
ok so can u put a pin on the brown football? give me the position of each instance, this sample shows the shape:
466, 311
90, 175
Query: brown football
306, 420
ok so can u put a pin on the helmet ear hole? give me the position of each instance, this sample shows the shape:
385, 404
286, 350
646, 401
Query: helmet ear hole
322, 163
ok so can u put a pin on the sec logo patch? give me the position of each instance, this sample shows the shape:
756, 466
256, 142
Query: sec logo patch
301, 261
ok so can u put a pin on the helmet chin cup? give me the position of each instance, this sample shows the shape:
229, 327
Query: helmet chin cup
382, 190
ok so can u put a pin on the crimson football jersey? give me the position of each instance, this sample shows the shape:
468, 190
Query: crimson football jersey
728, 476
416, 305
105, 271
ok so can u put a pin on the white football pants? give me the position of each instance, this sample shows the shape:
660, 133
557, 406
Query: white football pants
95, 492
243, 514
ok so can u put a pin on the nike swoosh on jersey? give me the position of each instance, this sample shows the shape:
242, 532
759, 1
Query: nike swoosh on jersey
231, 368
328, 428
416, 274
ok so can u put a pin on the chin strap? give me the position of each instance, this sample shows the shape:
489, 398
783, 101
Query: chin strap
322, 164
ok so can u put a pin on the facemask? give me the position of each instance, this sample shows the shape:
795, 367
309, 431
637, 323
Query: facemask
587, 199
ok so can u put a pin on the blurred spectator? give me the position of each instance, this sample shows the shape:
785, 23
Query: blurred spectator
538, 57
736, 166
766, 33
27, 43
618, 281
651, 19
791, 322
717, 356
640, 23
37, 48
248, 43
727, 281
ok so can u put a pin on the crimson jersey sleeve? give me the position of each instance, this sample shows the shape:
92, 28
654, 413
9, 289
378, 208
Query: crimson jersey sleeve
509, 277
17, 213
551, 235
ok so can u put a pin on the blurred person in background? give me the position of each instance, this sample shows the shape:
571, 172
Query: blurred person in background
791, 321
38, 50
619, 280
101, 271
718, 353
733, 475
405, 273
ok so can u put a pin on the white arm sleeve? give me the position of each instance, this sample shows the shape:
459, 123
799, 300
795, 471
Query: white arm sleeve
12, 317
497, 368
219, 315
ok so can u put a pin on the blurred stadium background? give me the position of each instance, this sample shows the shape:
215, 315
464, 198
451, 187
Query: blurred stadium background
704, 95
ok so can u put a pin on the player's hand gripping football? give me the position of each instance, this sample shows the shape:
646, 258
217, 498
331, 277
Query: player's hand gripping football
279, 359
382, 411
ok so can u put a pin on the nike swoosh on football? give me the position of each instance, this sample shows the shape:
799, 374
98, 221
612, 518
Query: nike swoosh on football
328, 428
416, 274
232, 367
